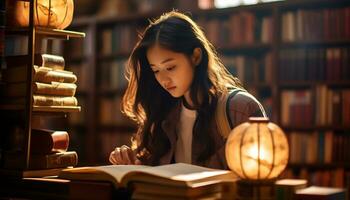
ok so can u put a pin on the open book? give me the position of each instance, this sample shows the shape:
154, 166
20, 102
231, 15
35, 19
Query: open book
176, 175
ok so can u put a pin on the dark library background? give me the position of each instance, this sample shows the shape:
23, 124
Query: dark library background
293, 55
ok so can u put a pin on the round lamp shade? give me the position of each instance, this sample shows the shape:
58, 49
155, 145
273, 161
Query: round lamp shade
49, 13
257, 149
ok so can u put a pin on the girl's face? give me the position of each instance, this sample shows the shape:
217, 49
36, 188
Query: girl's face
173, 71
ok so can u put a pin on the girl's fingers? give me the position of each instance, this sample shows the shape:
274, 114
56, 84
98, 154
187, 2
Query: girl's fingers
125, 155
118, 156
111, 158
137, 162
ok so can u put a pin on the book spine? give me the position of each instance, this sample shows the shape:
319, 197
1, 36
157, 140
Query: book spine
59, 160
47, 75
47, 141
55, 88
53, 61
39, 100
48, 161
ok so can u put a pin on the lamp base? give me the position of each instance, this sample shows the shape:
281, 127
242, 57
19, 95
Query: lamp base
255, 190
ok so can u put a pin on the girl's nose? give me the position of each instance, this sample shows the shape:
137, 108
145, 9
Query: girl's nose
164, 79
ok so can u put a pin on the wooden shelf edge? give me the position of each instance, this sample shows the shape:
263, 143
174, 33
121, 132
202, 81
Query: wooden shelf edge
55, 33
18, 173
56, 108
313, 128
59, 33
318, 165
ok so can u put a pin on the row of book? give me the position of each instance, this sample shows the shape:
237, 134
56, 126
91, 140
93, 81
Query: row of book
52, 85
323, 106
315, 25
242, 28
118, 39
48, 150
109, 111
323, 147
338, 177
250, 69
111, 75
321, 64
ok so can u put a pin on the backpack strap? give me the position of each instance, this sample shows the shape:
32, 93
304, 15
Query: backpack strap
222, 115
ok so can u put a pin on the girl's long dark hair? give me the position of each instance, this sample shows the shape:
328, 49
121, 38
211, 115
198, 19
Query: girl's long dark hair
147, 103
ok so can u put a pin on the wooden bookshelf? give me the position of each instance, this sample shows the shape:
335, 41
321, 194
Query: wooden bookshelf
18, 121
270, 51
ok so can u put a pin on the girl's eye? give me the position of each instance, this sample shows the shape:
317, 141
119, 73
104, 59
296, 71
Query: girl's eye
170, 68
155, 71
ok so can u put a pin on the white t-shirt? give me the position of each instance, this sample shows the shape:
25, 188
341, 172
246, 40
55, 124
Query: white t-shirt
183, 149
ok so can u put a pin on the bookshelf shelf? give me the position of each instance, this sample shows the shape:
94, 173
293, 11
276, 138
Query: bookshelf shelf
47, 32
322, 166
316, 127
64, 109
318, 43
59, 34
301, 84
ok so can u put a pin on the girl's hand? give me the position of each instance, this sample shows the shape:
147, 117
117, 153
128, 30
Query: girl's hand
123, 156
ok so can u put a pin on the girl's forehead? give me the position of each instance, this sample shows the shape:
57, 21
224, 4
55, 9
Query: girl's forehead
159, 51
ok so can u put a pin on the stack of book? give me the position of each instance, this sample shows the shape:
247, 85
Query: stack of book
48, 150
53, 87
285, 188
321, 193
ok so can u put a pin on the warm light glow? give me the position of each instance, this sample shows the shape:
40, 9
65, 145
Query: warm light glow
234, 3
257, 149
253, 153
49, 13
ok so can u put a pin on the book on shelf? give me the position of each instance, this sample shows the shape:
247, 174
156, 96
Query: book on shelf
286, 188
53, 88
40, 74
14, 160
11, 173
186, 178
44, 141
320, 193
40, 100
54, 62
44, 101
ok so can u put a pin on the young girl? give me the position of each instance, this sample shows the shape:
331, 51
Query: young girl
175, 81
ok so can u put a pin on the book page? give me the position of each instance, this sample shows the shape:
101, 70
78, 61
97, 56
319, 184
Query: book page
179, 174
112, 173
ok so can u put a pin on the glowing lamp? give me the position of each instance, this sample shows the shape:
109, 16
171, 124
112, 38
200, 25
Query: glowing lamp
257, 150
49, 13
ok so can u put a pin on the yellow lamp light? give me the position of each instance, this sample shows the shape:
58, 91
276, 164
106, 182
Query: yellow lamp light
257, 150
49, 13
